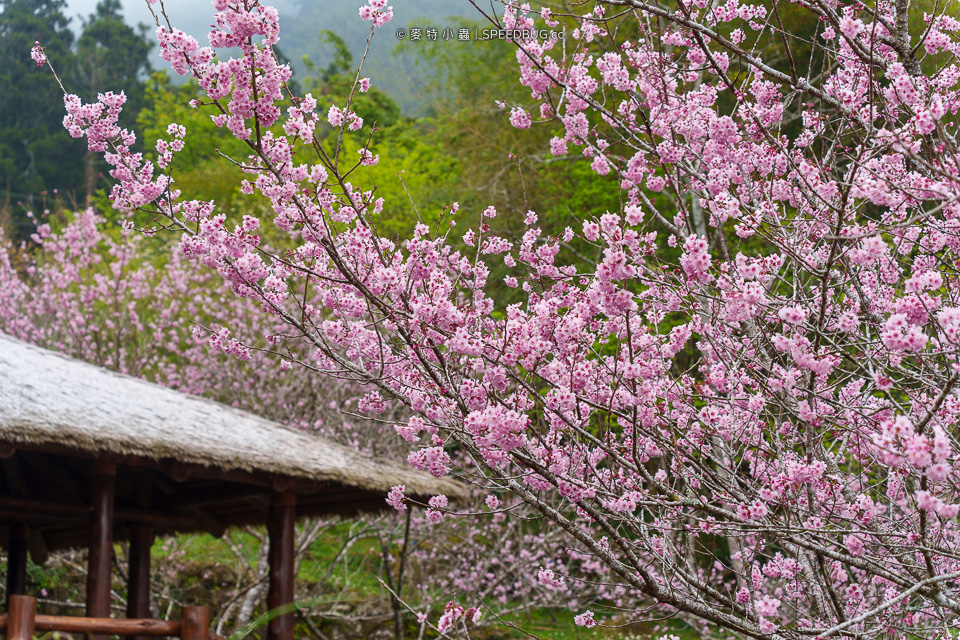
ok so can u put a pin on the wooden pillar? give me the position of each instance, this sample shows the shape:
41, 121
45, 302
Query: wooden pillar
281, 532
195, 623
103, 480
17, 561
21, 622
138, 577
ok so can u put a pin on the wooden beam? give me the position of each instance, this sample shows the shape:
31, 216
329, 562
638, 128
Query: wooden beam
37, 545
17, 562
159, 480
280, 528
21, 623
261, 503
211, 524
218, 496
179, 472
67, 539
103, 486
198, 471
121, 627
141, 541
12, 514
312, 486
18, 485
13, 475
7, 449
70, 485
186, 470
283, 484
52, 512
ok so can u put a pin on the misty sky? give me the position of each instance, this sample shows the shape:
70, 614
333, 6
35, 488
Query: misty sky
193, 16
136, 10
300, 24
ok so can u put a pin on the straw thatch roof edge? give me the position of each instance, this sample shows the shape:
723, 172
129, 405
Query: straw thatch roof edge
49, 398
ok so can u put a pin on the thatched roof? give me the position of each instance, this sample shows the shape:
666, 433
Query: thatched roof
52, 403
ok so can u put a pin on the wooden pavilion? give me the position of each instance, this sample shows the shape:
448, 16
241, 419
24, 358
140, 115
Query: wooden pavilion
91, 457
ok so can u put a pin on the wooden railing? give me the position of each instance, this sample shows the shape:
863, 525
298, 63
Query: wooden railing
21, 622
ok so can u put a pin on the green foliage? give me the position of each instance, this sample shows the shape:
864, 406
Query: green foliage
499, 165
416, 171
467, 79
416, 176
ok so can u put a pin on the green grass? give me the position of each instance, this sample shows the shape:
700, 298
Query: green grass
355, 579
558, 624
201, 569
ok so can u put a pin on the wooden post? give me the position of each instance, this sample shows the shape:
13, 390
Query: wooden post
17, 561
103, 480
195, 623
21, 623
280, 528
138, 577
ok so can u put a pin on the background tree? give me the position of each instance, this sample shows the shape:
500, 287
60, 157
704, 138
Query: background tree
36, 155
111, 54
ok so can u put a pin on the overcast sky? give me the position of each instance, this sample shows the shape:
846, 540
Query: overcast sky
301, 22
136, 10
193, 16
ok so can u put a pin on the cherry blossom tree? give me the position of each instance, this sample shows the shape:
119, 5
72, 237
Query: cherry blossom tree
106, 295
744, 407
